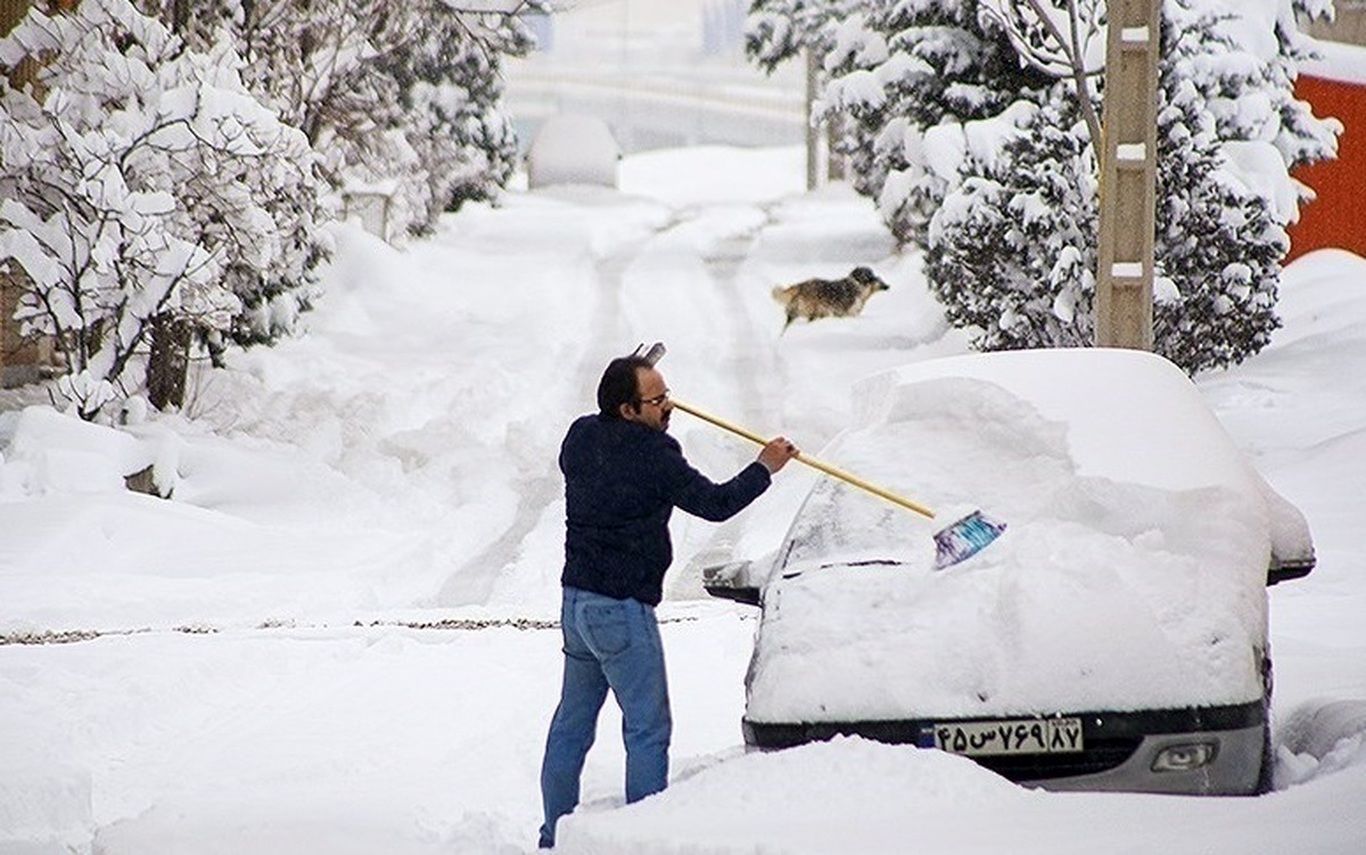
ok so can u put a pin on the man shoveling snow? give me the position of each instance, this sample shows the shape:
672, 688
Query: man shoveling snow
624, 475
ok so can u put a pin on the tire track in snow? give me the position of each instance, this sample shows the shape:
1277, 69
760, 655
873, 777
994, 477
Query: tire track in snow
686, 282
750, 355
467, 585
733, 369
745, 357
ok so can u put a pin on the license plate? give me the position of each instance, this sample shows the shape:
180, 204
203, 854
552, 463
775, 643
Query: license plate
1026, 736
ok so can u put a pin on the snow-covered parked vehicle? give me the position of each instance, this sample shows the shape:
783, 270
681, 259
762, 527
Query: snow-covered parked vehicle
1114, 637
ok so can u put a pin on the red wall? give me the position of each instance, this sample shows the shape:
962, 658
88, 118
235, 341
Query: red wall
1337, 218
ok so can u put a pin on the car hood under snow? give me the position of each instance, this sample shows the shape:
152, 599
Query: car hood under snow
1131, 575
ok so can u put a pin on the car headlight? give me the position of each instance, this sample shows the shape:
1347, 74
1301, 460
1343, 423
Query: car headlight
1184, 757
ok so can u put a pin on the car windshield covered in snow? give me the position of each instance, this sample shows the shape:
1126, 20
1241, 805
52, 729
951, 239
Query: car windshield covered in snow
1131, 576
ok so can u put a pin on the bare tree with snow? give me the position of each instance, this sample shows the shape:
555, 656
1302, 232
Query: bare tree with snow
1062, 38
144, 182
400, 98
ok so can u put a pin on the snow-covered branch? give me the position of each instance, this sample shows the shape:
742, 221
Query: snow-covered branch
1062, 38
142, 173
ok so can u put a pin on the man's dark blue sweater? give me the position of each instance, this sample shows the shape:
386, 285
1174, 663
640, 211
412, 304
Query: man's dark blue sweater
622, 480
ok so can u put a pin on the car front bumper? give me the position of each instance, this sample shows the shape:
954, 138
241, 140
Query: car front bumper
1127, 751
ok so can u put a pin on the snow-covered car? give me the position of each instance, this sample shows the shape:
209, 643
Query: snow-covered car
1113, 637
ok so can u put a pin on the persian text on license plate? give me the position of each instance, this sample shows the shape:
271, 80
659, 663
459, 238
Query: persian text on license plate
1026, 736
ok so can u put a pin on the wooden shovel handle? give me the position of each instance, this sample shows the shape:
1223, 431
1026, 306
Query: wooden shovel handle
802, 457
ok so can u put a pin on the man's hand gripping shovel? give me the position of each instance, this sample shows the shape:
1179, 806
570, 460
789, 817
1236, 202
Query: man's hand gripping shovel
957, 542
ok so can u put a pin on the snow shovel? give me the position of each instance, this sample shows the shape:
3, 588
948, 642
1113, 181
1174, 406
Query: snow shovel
960, 541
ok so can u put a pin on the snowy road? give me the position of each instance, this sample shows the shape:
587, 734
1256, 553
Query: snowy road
656, 282
396, 468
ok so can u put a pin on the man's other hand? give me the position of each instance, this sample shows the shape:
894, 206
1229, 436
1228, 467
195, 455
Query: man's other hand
776, 454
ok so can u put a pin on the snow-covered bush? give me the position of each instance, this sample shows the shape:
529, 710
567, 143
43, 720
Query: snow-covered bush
144, 185
976, 147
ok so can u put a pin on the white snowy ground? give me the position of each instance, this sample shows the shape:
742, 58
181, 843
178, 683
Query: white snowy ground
262, 682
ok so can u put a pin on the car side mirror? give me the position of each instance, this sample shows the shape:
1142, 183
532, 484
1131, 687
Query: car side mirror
1292, 546
1285, 570
734, 580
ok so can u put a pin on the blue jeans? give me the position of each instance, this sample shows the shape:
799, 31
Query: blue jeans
613, 644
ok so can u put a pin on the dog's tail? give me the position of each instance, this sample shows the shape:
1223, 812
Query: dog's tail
781, 294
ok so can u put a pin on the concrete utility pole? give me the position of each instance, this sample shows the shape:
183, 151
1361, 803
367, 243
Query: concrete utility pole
821, 139
813, 134
1128, 177
836, 167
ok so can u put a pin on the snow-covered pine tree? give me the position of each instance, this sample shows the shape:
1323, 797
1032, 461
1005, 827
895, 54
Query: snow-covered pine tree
133, 169
1220, 231
1012, 248
777, 31
1011, 265
905, 66
1249, 89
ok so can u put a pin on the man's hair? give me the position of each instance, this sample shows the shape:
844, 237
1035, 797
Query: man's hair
619, 384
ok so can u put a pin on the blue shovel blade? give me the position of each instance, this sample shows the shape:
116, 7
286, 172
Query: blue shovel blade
965, 538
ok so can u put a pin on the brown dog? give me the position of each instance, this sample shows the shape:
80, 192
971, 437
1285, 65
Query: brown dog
827, 298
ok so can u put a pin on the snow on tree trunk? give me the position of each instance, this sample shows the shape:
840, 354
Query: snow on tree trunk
168, 362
